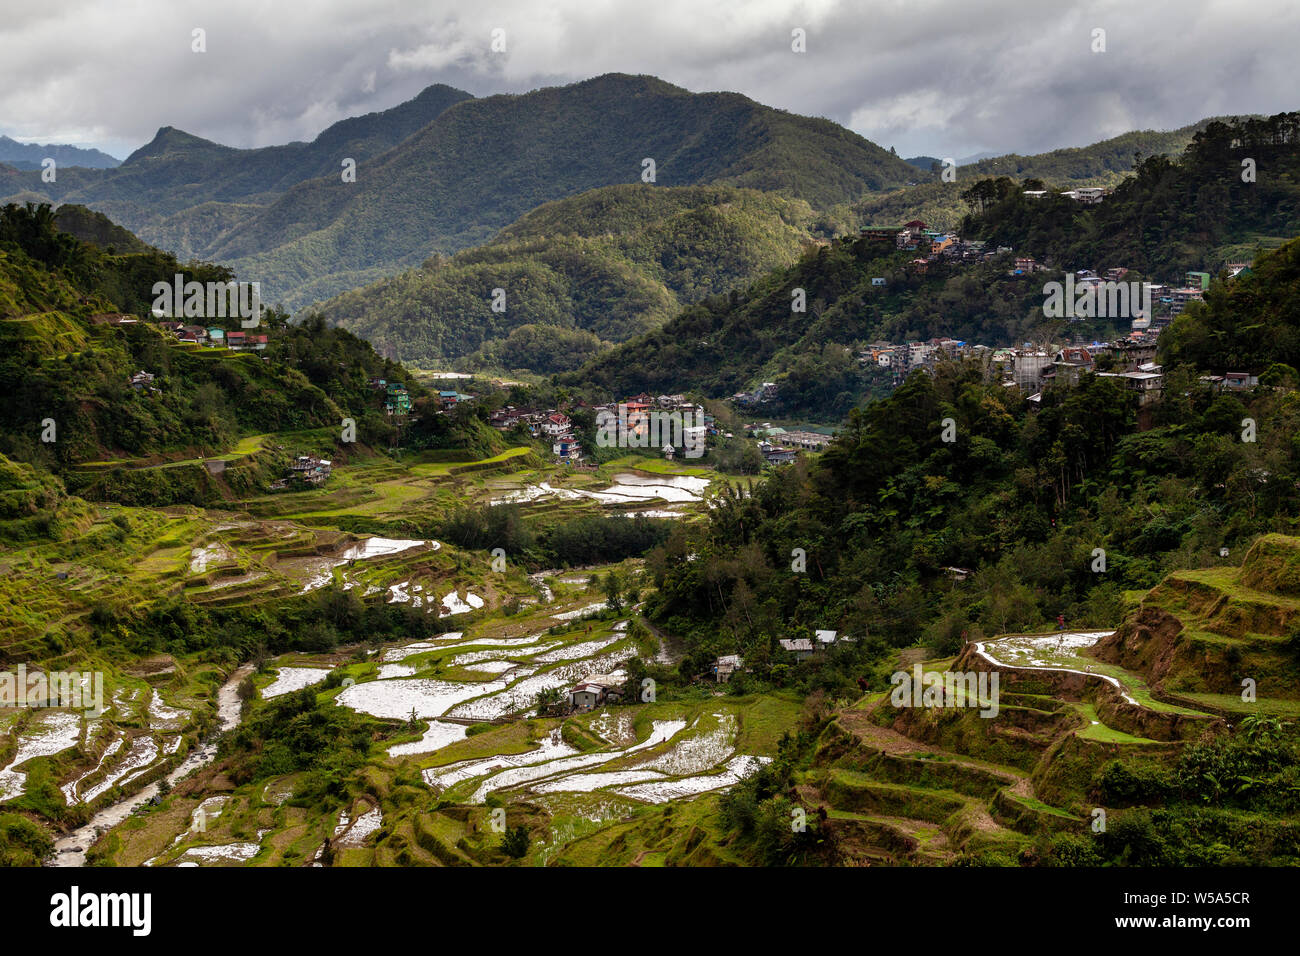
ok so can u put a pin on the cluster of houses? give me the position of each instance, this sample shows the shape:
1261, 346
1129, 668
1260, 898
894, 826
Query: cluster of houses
1088, 195
635, 417
1130, 359
142, 381
931, 245
1034, 369
305, 471
780, 446
214, 337
550, 424
1166, 301
799, 648
764, 393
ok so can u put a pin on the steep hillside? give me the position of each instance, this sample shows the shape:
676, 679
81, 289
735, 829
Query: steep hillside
731, 343
1250, 323
1234, 191
1200, 634
600, 267
66, 363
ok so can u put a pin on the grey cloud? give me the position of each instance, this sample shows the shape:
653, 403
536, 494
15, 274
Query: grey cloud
945, 77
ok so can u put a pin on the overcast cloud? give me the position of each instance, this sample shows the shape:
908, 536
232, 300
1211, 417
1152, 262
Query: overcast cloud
937, 77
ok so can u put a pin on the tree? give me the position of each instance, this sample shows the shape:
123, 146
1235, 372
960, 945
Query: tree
515, 842
546, 699
614, 591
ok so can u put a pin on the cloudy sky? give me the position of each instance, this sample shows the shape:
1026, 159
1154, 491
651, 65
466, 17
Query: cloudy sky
935, 77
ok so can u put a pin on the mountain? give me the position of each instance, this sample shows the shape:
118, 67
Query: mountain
182, 192
1167, 219
97, 229
485, 162
1198, 212
939, 204
1098, 164
468, 171
923, 162
595, 268
31, 155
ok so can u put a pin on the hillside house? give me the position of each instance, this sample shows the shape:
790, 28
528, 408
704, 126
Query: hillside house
504, 419
777, 454
881, 234
566, 448
447, 400
309, 470
1070, 363
801, 647
556, 424
1147, 385
398, 399
143, 381
808, 441
597, 689
725, 666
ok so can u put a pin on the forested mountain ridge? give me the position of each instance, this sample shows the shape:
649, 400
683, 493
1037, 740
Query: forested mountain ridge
33, 155
939, 204
181, 192
1235, 190
596, 268
475, 166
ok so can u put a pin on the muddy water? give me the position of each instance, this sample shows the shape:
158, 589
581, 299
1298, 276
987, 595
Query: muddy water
71, 849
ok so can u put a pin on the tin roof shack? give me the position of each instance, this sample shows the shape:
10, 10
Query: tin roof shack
597, 689
801, 647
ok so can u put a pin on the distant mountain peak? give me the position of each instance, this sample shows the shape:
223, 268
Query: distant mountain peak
30, 155
169, 139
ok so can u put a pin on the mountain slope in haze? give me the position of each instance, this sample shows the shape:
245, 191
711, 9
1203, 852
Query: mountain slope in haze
31, 155
1104, 163
97, 229
182, 192
612, 262
1097, 164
